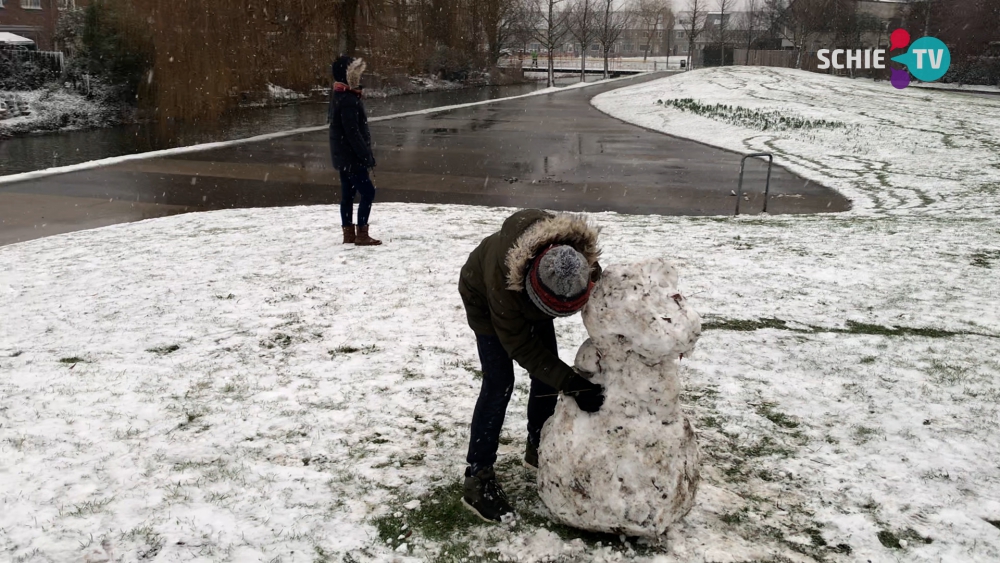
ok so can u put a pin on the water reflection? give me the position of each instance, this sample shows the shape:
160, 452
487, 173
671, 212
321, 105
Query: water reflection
37, 152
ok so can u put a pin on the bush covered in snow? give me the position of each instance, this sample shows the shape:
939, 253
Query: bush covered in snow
449, 64
54, 109
23, 74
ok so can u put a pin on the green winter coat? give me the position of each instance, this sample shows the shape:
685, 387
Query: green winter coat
492, 285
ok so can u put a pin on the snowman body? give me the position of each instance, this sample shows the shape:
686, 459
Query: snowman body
632, 467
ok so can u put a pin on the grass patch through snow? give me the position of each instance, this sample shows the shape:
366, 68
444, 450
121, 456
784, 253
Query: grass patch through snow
851, 327
762, 120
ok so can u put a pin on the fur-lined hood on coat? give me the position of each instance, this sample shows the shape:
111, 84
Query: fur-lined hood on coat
564, 228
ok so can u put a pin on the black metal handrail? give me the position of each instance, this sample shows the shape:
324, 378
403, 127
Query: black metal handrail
767, 185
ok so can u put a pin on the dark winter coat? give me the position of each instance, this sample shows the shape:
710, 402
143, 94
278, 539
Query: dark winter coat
492, 285
350, 140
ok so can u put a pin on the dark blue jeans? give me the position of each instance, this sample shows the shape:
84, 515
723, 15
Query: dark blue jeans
352, 182
498, 384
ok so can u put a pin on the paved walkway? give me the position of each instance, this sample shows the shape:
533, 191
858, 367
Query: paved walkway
553, 151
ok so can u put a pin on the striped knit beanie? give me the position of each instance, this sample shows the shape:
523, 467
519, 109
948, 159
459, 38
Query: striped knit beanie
558, 281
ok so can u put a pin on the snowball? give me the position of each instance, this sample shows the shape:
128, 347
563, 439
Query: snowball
631, 468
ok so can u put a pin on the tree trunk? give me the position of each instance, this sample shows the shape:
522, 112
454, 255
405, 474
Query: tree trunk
606, 74
746, 61
348, 27
583, 65
667, 53
927, 18
550, 46
552, 75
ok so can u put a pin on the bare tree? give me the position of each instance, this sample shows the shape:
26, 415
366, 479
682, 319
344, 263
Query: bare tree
750, 25
798, 21
501, 19
582, 22
651, 15
722, 31
551, 32
523, 29
668, 30
610, 26
694, 23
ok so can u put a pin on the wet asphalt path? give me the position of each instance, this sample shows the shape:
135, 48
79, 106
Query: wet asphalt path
552, 151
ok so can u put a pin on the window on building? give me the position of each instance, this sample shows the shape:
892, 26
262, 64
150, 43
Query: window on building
31, 4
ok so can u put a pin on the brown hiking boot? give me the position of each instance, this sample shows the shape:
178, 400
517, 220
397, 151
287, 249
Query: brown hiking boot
363, 239
349, 235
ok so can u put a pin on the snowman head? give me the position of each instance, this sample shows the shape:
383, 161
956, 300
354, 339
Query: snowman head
637, 308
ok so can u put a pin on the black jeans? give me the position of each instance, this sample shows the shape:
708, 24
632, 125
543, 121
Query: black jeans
352, 182
498, 384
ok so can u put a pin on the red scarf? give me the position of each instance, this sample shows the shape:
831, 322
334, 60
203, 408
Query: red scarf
341, 87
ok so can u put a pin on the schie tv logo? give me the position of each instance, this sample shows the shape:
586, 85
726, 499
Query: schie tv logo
928, 59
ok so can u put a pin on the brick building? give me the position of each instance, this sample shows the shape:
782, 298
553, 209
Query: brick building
34, 19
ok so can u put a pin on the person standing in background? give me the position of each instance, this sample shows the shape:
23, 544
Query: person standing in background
351, 149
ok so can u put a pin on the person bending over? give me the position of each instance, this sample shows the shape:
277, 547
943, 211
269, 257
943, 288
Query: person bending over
537, 267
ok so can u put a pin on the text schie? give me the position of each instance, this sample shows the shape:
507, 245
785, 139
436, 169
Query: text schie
872, 58
851, 58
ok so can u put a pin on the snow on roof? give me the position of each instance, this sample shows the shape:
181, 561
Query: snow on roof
11, 39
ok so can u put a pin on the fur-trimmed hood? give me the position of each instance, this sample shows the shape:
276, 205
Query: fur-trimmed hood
564, 228
354, 71
347, 71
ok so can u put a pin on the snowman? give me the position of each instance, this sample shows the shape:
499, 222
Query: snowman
632, 467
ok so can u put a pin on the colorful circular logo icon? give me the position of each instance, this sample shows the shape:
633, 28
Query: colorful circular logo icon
927, 59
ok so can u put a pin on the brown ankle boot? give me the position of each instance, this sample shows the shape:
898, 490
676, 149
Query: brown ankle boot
363, 239
349, 235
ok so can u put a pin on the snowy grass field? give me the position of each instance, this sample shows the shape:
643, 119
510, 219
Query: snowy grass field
238, 386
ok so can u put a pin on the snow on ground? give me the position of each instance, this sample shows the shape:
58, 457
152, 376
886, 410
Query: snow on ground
53, 110
276, 92
236, 385
894, 152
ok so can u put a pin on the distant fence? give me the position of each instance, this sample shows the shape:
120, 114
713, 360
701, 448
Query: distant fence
53, 60
565, 63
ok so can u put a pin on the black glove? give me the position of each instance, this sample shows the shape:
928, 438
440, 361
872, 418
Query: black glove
589, 396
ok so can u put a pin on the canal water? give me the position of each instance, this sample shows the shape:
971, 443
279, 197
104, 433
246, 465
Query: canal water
38, 152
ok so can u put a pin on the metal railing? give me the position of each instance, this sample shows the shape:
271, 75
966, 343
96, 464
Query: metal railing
564, 63
767, 185
54, 60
